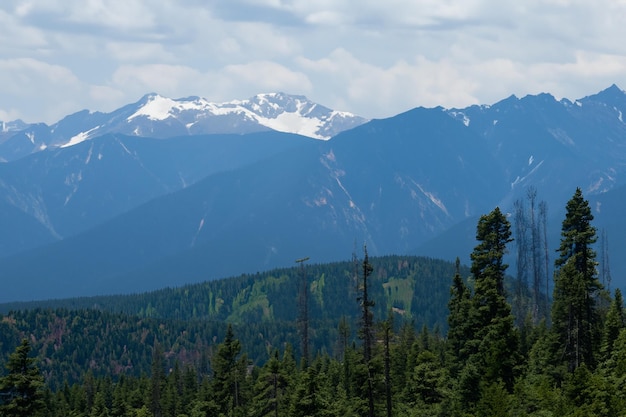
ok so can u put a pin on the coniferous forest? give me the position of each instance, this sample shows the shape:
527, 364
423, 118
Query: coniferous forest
384, 336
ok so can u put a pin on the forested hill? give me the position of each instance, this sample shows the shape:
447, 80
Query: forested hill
416, 288
111, 334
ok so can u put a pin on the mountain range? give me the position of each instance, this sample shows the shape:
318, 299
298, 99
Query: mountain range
165, 192
160, 117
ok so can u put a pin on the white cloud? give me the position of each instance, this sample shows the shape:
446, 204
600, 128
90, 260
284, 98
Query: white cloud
266, 76
38, 89
160, 78
138, 52
372, 58
380, 92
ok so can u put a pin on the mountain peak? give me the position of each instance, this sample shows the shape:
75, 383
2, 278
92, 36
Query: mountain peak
277, 111
613, 96
157, 116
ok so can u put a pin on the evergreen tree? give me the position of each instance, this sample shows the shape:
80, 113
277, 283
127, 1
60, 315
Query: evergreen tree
387, 333
492, 341
428, 381
614, 323
306, 400
269, 389
459, 331
366, 331
574, 316
22, 387
157, 381
495, 331
229, 373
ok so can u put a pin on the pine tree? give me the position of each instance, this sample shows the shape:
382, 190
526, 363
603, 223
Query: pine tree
459, 331
387, 334
614, 323
366, 331
269, 389
22, 387
574, 315
157, 380
495, 334
490, 344
229, 371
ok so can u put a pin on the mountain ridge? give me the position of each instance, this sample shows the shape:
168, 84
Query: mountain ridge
156, 116
396, 184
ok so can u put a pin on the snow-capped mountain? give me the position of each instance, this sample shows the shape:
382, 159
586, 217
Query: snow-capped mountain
129, 214
156, 116
276, 111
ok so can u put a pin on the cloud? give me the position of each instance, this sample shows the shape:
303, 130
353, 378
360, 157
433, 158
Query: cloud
227, 83
384, 91
37, 88
372, 58
266, 76
14, 36
138, 51
160, 78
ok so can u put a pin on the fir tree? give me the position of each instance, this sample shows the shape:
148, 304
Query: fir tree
229, 372
22, 387
157, 380
458, 325
366, 331
614, 323
269, 390
495, 332
491, 344
574, 315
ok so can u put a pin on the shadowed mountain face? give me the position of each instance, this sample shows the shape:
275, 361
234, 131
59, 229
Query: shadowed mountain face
119, 213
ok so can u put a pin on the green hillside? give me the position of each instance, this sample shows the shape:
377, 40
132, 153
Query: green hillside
116, 334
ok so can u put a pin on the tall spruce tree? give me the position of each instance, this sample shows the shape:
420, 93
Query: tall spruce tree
157, 380
613, 324
367, 329
495, 335
22, 387
489, 345
229, 374
459, 329
574, 315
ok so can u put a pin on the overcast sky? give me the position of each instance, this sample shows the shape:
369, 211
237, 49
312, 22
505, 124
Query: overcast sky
371, 57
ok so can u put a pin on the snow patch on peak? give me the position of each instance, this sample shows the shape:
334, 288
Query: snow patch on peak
156, 108
619, 114
293, 122
81, 137
158, 115
459, 115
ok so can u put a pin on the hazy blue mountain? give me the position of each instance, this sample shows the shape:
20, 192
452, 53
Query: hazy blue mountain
318, 200
70, 190
155, 213
8, 129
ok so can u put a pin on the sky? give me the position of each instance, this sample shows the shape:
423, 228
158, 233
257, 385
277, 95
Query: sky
370, 57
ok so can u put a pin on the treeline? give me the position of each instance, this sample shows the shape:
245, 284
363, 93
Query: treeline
573, 364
